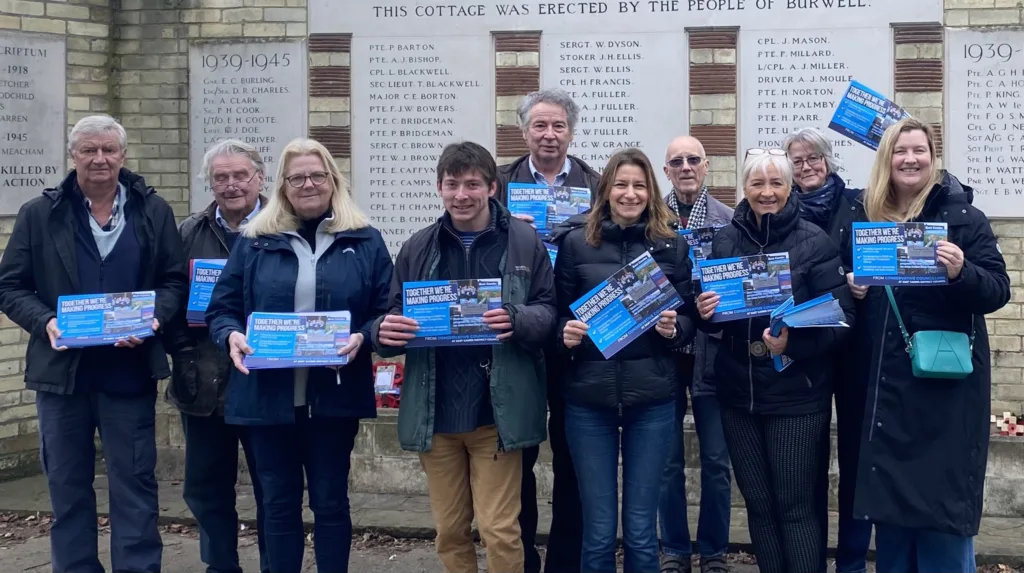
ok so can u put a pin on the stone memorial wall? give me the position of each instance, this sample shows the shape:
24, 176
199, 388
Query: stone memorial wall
986, 117
252, 91
794, 78
411, 97
32, 133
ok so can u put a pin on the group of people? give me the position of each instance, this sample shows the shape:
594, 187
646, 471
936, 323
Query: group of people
911, 451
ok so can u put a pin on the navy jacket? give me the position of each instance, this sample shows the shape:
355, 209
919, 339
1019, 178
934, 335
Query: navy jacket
353, 275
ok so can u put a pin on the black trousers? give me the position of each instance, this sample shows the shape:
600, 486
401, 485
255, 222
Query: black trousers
565, 541
776, 461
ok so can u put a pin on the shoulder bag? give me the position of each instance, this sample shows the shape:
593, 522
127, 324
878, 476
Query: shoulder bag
937, 353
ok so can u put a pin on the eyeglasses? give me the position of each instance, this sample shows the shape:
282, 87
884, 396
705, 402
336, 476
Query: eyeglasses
317, 177
812, 160
693, 160
224, 181
759, 151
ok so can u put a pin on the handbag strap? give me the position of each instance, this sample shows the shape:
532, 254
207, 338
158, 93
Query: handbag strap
903, 329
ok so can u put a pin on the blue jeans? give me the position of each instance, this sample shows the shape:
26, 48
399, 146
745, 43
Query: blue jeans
127, 426
902, 550
323, 447
715, 484
211, 470
593, 435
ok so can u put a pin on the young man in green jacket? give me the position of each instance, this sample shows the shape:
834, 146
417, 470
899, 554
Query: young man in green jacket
470, 410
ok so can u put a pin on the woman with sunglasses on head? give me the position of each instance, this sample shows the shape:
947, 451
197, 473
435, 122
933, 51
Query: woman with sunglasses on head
924, 442
309, 249
775, 421
828, 203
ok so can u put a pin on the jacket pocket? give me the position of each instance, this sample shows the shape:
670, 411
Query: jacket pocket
185, 377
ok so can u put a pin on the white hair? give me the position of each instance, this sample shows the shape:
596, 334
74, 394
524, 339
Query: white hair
227, 148
554, 96
761, 163
95, 125
817, 143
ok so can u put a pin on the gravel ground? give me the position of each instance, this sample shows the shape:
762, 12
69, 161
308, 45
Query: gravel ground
24, 548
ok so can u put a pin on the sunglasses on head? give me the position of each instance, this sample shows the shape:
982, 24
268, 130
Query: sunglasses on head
693, 160
759, 151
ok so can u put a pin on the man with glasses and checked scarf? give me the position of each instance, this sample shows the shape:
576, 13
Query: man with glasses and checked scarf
686, 166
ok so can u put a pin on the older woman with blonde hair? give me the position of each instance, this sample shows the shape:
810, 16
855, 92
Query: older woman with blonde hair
310, 249
925, 437
775, 422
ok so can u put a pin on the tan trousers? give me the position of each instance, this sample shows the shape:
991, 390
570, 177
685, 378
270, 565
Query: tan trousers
466, 476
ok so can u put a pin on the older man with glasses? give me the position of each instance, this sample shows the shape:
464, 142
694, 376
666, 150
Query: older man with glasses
102, 229
235, 172
686, 167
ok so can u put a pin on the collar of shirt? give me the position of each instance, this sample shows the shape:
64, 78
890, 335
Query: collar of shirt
115, 209
559, 179
224, 224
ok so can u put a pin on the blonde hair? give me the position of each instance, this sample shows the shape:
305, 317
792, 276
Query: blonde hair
659, 216
278, 216
879, 197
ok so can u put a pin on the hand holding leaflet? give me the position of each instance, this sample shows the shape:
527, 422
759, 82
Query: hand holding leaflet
123, 319
903, 254
299, 339
624, 306
746, 286
204, 274
821, 312
448, 313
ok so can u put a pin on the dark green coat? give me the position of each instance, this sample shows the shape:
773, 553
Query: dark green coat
518, 389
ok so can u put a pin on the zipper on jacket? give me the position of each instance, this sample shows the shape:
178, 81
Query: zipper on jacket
750, 364
618, 363
767, 235
878, 375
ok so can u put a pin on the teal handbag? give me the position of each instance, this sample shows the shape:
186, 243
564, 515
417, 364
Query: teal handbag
937, 353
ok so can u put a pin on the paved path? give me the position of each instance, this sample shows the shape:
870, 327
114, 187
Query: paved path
402, 516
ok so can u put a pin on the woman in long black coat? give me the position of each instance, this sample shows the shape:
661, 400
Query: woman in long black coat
925, 440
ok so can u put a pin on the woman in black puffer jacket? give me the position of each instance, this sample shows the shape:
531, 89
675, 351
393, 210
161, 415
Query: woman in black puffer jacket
775, 421
633, 390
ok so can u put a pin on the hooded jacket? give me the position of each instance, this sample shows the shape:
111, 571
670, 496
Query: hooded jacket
644, 372
924, 442
749, 382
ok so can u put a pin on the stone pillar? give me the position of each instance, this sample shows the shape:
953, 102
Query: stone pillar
330, 91
516, 74
713, 106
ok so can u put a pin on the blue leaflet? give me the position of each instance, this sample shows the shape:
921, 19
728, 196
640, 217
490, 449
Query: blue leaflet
747, 286
102, 319
451, 312
627, 304
203, 277
552, 252
700, 246
548, 206
297, 339
864, 114
898, 254
821, 312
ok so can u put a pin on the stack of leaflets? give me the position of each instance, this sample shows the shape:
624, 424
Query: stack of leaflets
898, 254
451, 312
700, 246
863, 115
821, 312
103, 319
625, 305
297, 339
747, 286
548, 206
204, 274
